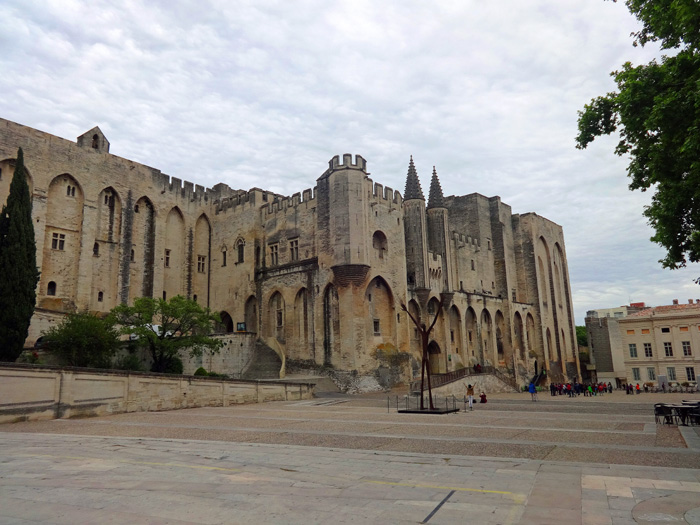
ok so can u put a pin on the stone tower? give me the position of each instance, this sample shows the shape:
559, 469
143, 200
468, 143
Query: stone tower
415, 231
438, 242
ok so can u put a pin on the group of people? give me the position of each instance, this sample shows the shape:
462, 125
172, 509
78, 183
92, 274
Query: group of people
576, 389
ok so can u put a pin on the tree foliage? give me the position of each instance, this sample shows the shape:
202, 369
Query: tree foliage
84, 340
18, 272
581, 336
656, 110
166, 327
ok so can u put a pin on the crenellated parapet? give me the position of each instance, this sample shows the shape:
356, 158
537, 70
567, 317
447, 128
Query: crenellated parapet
465, 241
336, 164
380, 193
284, 204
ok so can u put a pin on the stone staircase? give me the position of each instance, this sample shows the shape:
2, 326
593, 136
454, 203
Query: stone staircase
265, 363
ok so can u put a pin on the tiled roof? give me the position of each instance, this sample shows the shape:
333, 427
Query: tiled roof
691, 309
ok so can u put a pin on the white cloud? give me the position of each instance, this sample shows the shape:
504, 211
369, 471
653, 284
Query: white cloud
264, 93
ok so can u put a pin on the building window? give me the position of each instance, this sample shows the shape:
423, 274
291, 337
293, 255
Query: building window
666, 330
633, 350
651, 373
635, 374
690, 373
96, 250
194, 298
668, 349
488, 244
58, 241
686, 348
240, 246
645, 331
647, 350
167, 258
136, 208
223, 260
294, 249
630, 332
684, 329
201, 263
671, 373
514, 295
165, 295
51, 288
279, 318
100, 296
473, 266
377, 330
95, 142
274, 254
452, 336
132, 256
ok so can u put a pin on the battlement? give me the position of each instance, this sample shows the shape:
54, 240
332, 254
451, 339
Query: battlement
184, 189
463, 241
385, 193
335, 164
282, 204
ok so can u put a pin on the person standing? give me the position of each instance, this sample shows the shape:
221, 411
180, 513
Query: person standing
533, 391
470, 396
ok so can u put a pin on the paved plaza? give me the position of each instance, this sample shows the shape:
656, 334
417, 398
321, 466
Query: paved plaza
350, 459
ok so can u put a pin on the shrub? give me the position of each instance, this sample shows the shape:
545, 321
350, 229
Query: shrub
173, 366
201, 372
128, 362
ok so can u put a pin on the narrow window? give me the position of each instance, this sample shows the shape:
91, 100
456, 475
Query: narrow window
194, 298
201, 263
223, 255
633, 350
647, 350
136, 208
132, 257
165, 296
488, 244
279, 318
690, 373
473, 267
651, 374
100, 296
668, 349
686, 349
377, 330
294, 249
72, 191
635, 374
274, 253
671, 373
514, 295
106, 199
51, 289
68, 190
96, 249
452, 336
95, 141
241, 251
167, 258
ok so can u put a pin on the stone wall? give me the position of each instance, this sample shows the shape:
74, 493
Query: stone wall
39, 392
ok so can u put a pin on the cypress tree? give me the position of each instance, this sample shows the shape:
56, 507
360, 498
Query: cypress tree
18, 271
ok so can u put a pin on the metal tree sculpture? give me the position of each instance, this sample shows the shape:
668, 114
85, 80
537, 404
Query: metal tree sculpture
425, 362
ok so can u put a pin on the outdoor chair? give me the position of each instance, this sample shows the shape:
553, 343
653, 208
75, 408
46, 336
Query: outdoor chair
664, 414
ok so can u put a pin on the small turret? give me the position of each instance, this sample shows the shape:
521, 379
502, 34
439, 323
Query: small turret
435, 198
413, 189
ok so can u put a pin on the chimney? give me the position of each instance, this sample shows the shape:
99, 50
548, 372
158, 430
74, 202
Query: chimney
690, 301
697, 301
675, 301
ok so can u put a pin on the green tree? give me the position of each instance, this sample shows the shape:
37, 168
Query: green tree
657, 112
83, 339
581, 336
166, 327
18, 271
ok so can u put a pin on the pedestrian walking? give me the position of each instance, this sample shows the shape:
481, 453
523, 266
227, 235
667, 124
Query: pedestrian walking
470, 396
533, 391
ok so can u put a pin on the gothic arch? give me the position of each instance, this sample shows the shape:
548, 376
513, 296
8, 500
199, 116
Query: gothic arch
63, 235
519, 336
301, 325
143, 239
472, 334
106, 251
276, 317
380, 244
226, 324
434, 357
503, 346
174, 260
456, 338
201, 259
487, 350
381, 322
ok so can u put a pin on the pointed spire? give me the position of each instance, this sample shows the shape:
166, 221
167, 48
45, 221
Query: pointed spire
413, 189
435, 198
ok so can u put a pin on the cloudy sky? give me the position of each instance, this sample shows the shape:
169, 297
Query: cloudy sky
264, 93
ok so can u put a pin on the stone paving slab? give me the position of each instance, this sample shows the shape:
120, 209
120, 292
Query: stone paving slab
352, 462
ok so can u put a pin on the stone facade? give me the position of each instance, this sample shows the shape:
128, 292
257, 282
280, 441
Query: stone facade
660, 345
318, 276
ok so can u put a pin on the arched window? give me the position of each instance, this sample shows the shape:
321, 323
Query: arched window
95, 141
379, 243
51, 288
100, 296
96, 249
240, 247
223, 256
68, 190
